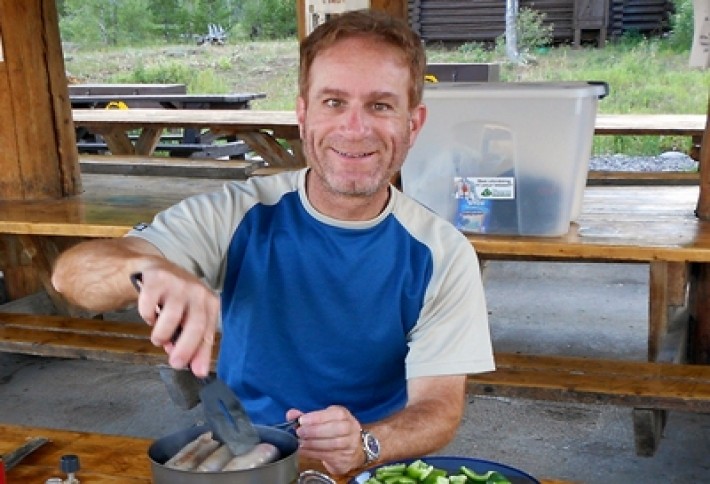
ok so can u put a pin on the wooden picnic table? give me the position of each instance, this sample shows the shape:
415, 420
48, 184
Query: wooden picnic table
104, 459
652, 225
240, 100
691, 125
263, 131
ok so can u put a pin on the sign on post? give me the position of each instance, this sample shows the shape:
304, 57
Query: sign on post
700, 53
318, 11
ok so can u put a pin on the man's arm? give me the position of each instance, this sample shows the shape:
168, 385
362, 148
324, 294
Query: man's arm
426, 424
96, 275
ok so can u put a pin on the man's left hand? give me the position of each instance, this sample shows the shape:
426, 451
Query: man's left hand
331, 436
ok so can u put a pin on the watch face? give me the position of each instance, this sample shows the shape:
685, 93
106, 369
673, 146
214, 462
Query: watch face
373, 445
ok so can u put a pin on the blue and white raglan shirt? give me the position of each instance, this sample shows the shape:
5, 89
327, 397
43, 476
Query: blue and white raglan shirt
318, 311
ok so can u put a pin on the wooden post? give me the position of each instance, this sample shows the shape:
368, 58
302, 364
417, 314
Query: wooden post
38, 155
700, 283
703, 209
38, 159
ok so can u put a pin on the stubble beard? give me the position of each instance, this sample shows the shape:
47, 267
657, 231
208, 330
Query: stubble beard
340, 185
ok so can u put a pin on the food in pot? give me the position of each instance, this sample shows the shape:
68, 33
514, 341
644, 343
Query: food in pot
192, 455
216, 460
205, 454
261, 454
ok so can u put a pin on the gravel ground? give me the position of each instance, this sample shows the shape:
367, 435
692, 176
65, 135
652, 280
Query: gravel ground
669, 161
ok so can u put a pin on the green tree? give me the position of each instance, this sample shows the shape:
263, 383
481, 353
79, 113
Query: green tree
171, 19
271, 19
683, 25
107, 22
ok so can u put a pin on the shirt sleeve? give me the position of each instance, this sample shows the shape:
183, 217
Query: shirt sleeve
452, 334
195, 233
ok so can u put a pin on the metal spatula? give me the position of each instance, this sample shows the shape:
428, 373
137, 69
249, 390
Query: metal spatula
223, 411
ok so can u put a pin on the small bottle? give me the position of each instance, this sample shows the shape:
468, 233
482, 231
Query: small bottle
69, 464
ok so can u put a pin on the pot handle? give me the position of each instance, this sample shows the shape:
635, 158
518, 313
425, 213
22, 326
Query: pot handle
314, 477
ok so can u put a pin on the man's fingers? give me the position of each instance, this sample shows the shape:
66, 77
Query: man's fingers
202, 361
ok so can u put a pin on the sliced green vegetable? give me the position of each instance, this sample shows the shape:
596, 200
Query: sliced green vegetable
400, 480
490, 477
497, 478
471, 474
434, 475
442, 480
390, 470
419, 470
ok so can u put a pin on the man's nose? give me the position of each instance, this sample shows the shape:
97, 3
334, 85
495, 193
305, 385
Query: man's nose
355, 121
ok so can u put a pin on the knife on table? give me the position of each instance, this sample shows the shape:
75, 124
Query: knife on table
11, 459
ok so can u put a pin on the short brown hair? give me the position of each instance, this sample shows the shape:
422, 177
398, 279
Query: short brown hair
372, 24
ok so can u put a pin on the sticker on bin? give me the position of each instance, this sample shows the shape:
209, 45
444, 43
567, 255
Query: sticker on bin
475, 196
488, 188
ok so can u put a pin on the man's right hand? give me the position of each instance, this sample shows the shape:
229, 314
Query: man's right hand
175, 302
95, 275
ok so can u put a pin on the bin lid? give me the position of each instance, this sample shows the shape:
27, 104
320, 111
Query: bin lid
570, 89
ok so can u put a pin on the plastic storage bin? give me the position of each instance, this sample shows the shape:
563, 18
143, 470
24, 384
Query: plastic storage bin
504, 158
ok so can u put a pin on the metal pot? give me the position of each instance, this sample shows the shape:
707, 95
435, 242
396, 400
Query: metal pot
283, 471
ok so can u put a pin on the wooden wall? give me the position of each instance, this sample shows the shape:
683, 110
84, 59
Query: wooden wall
461, 21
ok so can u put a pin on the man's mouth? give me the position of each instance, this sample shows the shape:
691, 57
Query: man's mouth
354, 155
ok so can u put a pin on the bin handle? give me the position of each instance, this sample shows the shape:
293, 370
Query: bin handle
601, 83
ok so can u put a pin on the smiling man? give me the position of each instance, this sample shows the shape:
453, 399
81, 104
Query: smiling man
343, 303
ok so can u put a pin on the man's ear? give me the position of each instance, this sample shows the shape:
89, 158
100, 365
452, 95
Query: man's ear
301, 115
417, 117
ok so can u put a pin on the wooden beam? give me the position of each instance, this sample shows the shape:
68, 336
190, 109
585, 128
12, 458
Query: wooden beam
38, 159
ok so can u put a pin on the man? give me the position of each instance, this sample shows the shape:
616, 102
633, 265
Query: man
343, 303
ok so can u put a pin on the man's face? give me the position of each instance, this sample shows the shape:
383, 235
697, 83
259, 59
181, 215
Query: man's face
355, 121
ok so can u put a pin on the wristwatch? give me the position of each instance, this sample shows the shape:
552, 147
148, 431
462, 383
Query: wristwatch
371, 447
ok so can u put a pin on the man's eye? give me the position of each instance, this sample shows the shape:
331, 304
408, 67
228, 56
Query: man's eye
333, 103
381, 107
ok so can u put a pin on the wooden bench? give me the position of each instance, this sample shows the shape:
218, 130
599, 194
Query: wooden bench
551, 377
639, 384
167, 167
178, 148
78, 338
104, 459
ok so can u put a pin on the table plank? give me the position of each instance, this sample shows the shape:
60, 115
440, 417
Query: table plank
617, 224
650, 124
282, 123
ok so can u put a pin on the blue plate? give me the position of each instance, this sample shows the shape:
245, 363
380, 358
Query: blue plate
453, 464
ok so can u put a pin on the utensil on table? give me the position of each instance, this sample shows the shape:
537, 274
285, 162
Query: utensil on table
223, 411
11, 459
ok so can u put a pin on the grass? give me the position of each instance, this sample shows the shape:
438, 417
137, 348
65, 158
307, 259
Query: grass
644, 76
